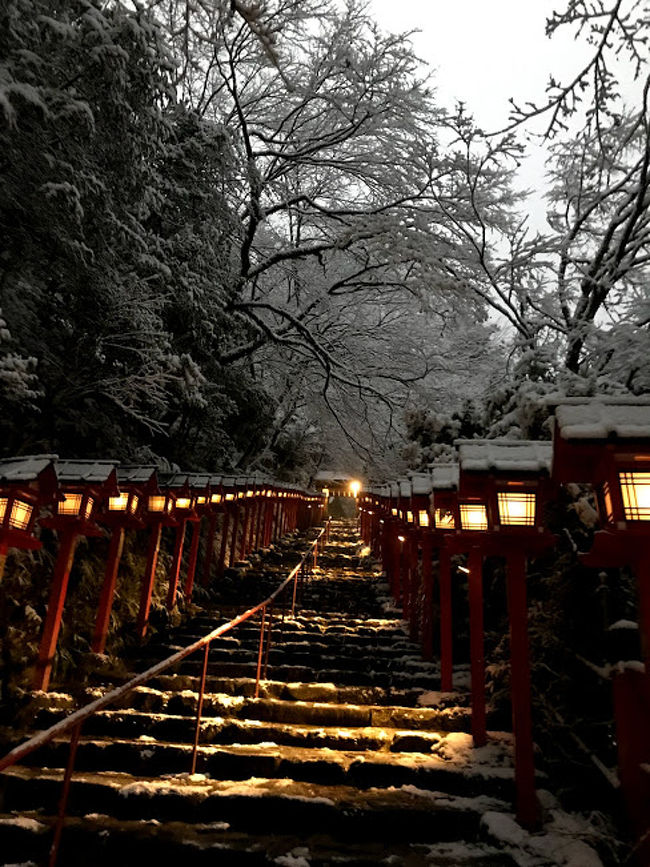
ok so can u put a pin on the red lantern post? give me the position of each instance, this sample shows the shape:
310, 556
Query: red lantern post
158, 514
83, 485
444, 522
121, 512
605, 442
502, 489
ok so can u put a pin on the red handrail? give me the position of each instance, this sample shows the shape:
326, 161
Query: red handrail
74, 721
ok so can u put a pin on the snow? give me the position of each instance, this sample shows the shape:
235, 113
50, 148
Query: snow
298, 857
421, 484
25, 823
444, 477
623, 624
558, 844
24, 469
501, 455
603, 419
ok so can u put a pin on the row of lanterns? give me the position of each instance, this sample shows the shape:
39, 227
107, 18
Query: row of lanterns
491, 502
79, 498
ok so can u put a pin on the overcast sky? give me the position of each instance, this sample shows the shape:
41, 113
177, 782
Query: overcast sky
485, 51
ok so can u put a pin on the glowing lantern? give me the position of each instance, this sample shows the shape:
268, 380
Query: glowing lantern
355, 487
516, 508
473, 516
635, 491
160, 503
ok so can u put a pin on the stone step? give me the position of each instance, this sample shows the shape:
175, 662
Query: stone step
103, 841
370, 673
396, 694
129, 724
303, 653
294, 640
472, 772
301, 690
275, 805
312, 712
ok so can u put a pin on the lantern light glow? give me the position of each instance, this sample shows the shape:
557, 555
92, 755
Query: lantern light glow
119, 503
423, 518
355, 487
70, 505
184, 503
473, 516
158, 504
444, 519
516, 508
21, 513
635, 489
409, 517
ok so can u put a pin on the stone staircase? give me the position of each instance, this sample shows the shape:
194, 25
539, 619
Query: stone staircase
348, 756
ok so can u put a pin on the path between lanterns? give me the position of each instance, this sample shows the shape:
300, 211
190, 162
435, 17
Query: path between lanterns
349, 756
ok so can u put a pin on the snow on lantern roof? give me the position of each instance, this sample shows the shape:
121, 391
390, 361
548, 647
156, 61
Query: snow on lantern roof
136, 473
421, 484
603, 418
24, 469
78, 470
444, 477
394, 489
199, 480
504, 456
405, 489
174, 480
332, 476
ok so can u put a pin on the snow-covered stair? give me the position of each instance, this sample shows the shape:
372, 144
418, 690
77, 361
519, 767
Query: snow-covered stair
348, 756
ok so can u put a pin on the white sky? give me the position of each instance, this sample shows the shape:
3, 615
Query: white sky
485, 51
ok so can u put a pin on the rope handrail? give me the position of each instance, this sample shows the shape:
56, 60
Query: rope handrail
79, 716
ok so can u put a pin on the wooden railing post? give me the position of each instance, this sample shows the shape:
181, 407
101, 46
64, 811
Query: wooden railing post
192, 559
446, 621
527, 806
146, 587
477, 646
52, 625
108, 591
179, 542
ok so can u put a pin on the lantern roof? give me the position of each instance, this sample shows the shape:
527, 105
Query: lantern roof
174, 480
603, 418
405, 489
199, 480
505, 456
78, 470
136, 474
421, 484
24, 469
444, 477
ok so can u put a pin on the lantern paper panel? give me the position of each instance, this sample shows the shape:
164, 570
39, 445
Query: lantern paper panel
516, 508
635, 490
473, 516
